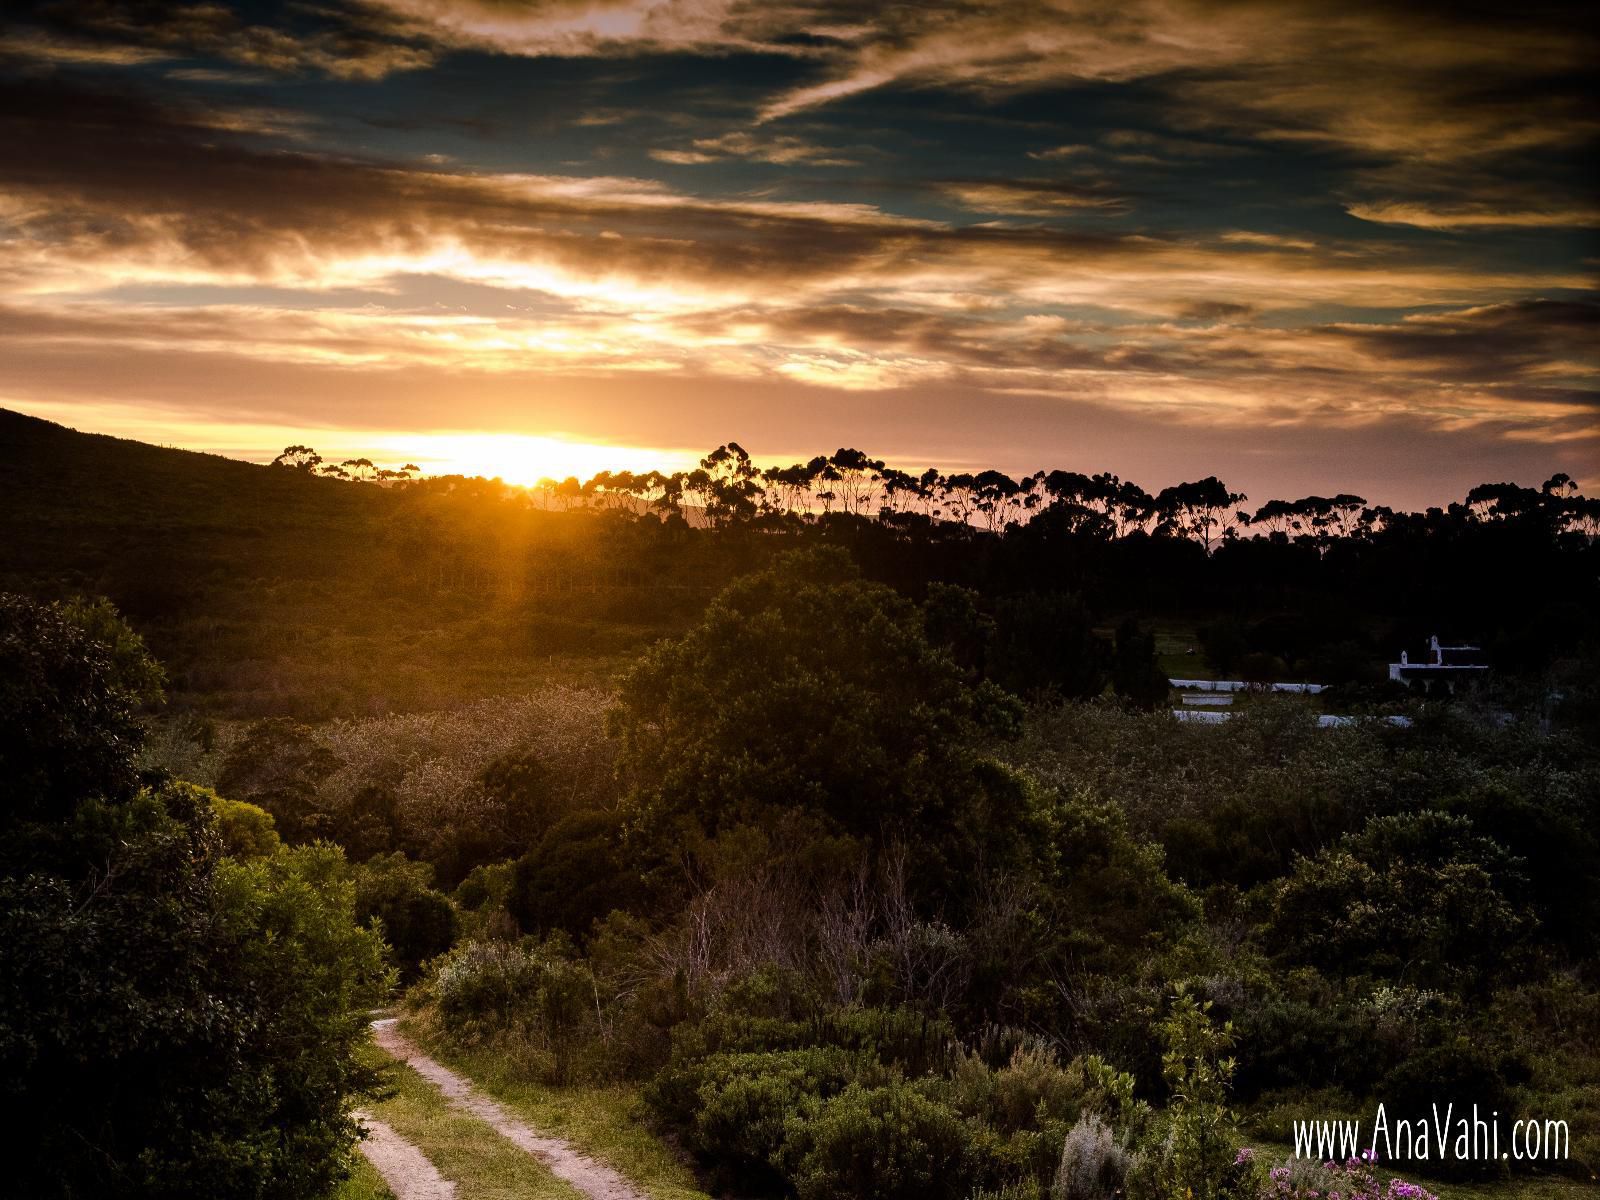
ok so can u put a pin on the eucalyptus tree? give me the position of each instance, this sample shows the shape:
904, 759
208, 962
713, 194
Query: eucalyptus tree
1202, 510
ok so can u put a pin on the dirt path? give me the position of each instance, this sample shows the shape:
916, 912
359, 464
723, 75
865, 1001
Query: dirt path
593, 1179
404, 1168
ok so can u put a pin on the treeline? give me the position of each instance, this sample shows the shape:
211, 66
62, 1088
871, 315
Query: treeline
1322, 588
728, 488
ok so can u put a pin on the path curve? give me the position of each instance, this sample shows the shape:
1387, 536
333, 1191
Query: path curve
404, 1168
593, 1179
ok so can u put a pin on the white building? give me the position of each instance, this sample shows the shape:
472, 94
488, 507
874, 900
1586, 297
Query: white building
1447, 667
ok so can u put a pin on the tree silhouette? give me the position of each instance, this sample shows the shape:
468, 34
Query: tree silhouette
298, 458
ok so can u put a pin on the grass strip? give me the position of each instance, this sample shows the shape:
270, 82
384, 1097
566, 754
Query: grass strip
604, 1122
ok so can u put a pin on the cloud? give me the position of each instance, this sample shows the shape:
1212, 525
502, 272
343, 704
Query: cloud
42, 47
112, 195
1469, 215
344, 44
1030, 197
781, 149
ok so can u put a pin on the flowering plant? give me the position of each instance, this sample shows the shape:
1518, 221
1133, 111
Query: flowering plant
1351, 1180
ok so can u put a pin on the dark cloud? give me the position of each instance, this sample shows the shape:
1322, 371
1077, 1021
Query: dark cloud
347, 43
1530, 339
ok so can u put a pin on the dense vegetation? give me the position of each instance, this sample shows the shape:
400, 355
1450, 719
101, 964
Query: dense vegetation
861, 843
180, 1000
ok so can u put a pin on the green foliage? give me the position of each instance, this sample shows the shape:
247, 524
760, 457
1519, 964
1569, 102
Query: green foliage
535, 992
246, 831
954, 620
1422, 894
732, 1106
1111, 889
172, 1021
527, 791
137, 674
68, 702
1045, 644
891, 1143
806, 688
1135, 674
577, 874
1199, 1155
298, 958
278, 765
416, 921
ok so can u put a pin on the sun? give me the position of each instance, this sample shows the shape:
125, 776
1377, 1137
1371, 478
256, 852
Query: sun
525, 459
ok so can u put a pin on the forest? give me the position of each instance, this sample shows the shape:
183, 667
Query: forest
830, 827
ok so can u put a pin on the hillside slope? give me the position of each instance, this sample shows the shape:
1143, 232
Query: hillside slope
271, 592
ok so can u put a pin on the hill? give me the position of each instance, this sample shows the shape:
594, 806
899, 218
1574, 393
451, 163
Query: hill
273, 592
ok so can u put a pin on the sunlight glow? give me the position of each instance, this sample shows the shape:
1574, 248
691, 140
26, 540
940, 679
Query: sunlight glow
525, 458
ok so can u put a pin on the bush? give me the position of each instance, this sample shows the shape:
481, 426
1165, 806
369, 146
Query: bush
1199, 1156
246, 831
418, 922
731, 1108
1093, 1165
192, 1018
1421, 894
886, 1143
529, 995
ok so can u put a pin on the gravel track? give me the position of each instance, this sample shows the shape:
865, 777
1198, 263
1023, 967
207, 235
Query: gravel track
404, 1168
593, 1179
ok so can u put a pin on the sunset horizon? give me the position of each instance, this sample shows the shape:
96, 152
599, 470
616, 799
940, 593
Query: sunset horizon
1297, 246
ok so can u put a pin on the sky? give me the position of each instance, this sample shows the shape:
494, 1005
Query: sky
1307, 246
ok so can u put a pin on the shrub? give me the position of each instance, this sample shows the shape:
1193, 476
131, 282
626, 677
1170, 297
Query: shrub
532, 993
1199, 1157
1422, 894
1033, 1088
246, 831
731, 1109
418, 922
887, 1143
1353, 1180
1093, 1165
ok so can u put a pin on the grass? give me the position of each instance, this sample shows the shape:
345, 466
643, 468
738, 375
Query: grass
603, 1122
364, 1183
482, 1163
1172, 657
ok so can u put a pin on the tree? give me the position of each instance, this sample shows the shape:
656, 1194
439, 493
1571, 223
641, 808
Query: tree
806, 689
858, 480
1135, 675
577, 874
728, 483
172, 1021
279, 765
418, 922
68, 706
1199, 510
1046, 644
298, 458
